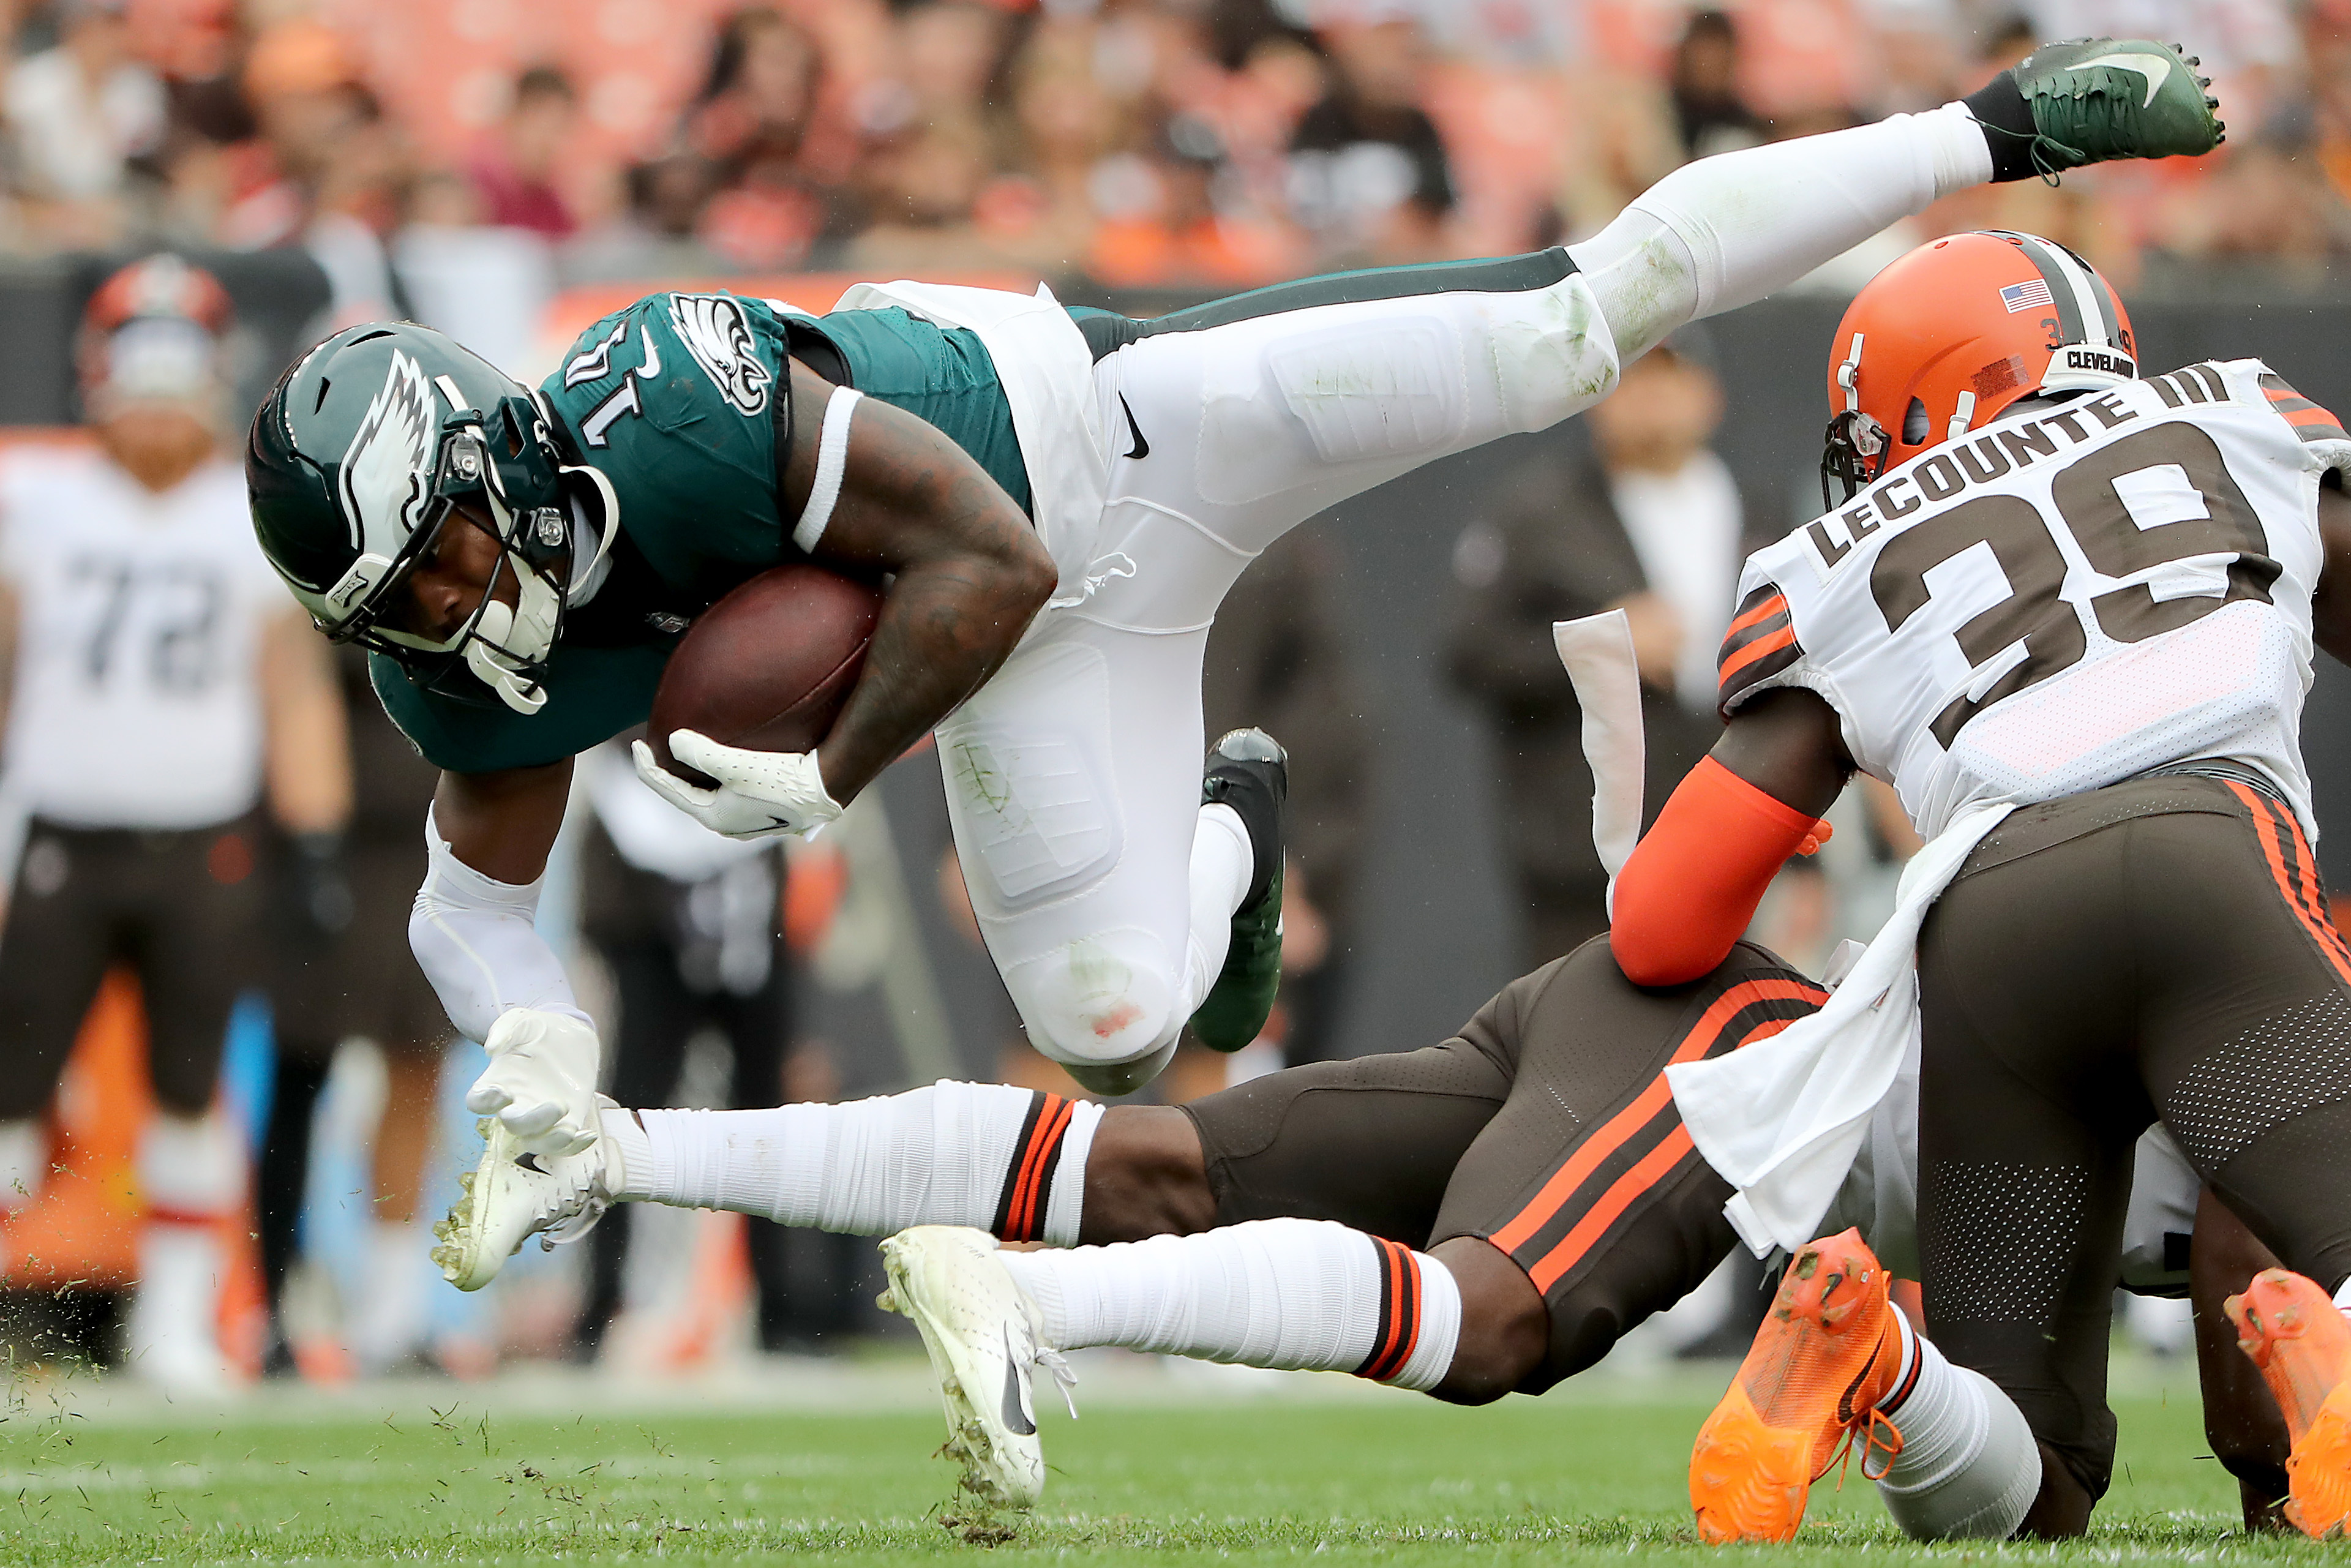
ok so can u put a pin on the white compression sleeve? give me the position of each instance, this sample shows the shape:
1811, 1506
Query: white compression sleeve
477, 941
1291, 1294
988, 1155
1724, 231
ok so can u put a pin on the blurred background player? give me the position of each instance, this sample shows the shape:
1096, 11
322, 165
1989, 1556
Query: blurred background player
1638, 513
161, 690
1279, 656
689, 925
343, 975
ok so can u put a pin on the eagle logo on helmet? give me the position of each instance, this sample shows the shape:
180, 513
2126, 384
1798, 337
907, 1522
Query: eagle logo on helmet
718, 334
386, 475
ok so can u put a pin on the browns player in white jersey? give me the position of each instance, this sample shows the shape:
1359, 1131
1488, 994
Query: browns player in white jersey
2069, 614
153, 687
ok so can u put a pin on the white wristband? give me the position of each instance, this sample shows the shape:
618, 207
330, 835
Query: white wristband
831, 460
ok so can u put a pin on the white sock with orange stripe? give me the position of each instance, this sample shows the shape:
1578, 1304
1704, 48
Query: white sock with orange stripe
1969, 1468
1308, 1295
1011, 1161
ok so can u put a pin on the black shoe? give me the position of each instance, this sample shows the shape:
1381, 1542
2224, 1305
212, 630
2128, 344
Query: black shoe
1249, 771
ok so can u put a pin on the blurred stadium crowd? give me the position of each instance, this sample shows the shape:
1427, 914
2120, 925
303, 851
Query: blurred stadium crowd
466, 162
1185, 143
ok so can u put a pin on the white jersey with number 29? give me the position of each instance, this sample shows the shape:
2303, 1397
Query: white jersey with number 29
2071, 596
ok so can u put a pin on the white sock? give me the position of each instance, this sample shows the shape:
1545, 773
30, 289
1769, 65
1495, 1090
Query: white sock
1295, 1294
171, 1334
1728, 230
1968, 1467
24, 1162
1222, 864
1011, 1161
190, 1167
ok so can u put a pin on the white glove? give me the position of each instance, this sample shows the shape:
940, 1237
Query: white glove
760, 794
541, 1082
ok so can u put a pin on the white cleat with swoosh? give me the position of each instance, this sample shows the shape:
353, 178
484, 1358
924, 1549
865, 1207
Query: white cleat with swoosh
981, 1334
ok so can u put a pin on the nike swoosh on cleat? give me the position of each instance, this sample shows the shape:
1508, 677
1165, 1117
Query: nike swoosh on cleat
2154, 68
1015, 1419
529, 1162
1142, 447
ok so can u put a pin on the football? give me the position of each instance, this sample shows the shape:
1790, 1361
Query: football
768, 666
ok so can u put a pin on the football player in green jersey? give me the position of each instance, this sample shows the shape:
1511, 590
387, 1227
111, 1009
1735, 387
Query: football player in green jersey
1061, 499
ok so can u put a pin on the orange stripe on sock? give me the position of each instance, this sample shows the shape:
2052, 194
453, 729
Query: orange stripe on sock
1023, 1222
1400, 1282
1619, 1129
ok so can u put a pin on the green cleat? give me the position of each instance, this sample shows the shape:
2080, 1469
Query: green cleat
1249, 771
2095, 100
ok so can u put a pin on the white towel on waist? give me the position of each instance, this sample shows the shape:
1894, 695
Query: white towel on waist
1783, 1120
1598, 653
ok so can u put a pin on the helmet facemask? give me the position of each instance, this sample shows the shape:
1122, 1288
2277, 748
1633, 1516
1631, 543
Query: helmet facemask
1854, 457
485, 472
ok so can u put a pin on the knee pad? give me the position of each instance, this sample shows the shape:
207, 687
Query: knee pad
1031, 782
1551, 351
1099, 1001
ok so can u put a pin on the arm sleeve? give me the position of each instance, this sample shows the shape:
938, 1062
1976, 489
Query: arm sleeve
477, 941
1693, 882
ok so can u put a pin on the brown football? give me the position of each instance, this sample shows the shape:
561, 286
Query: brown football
767, 667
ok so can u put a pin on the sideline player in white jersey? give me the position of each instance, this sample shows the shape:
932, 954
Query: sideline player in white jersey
158, 686
2069, 614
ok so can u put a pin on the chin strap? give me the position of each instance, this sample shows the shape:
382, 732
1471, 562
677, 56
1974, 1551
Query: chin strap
506, 641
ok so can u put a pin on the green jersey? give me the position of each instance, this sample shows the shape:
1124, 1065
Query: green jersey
680, 402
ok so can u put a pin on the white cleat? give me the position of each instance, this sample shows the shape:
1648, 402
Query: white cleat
513, 1196
978, 1327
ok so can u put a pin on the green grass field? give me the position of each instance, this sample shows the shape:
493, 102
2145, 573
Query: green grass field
1586, 1475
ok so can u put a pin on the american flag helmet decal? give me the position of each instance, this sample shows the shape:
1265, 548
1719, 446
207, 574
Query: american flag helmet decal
2025, 295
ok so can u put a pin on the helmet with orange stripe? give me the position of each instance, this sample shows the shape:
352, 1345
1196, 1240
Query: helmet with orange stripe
1949, 335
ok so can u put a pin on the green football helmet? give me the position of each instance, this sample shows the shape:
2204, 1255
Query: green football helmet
376, 441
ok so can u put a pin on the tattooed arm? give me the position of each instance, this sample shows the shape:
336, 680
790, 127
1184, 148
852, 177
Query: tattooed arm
971, 574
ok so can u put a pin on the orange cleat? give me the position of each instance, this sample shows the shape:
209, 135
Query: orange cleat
2298, 1337
1827, 1353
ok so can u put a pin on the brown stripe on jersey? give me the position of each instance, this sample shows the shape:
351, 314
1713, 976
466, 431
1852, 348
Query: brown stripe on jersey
2311, 420
2211, 379
1761, 643
2189, 387
1399, 1325
1029, 1185
1756, 609
1757, 662
2168, 389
